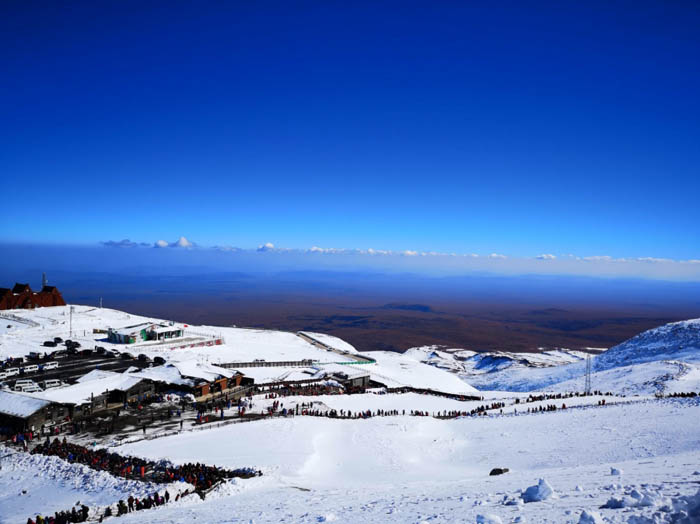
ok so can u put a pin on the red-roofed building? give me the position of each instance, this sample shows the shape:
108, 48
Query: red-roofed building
22, 297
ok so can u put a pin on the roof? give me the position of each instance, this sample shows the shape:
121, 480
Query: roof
166, 329
19, 405
83, 391
97, 374
350, 372
130, 330
166, 373
205, 371
21, 288
48, 289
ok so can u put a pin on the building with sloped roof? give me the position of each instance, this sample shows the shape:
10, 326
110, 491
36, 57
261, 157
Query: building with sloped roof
20, 412
21, 296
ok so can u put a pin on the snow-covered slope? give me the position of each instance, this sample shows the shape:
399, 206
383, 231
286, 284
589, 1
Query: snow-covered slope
403, 468
675, 341
663, 359
396, 470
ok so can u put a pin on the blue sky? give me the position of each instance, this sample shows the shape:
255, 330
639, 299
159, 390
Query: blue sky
396, 126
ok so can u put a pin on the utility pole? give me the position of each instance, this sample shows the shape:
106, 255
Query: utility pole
71, 322
587, 387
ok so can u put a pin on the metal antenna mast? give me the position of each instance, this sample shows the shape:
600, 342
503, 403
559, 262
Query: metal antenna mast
71, 321
587, 387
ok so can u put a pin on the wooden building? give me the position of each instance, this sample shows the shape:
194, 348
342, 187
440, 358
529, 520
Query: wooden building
20, 413
21, 296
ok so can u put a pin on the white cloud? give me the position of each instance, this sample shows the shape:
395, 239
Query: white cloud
598, 258
268, 246
653, 260
497, 256
331, 250
181, 242
546, 256
371, 251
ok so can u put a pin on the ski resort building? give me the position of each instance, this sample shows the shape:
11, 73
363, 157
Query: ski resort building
21, 296
144, 332
98, 390
20, 412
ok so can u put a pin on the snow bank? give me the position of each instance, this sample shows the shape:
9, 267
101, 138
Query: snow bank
488, 519
590, 517
541, 491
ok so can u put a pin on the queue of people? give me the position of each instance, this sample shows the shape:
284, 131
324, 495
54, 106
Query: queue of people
62, 517
199, 475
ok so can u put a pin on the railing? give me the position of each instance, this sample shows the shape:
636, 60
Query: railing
21, 320
266, 364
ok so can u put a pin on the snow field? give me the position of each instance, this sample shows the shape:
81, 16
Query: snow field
326, 452
422, 469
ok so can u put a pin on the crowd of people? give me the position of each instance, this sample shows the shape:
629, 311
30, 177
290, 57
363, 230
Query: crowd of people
62, 517
308, 409
301, 390
683, 394
201, 476
138, 504
563, 396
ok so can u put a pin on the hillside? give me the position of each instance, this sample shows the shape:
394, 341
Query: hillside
663, 359
416, 444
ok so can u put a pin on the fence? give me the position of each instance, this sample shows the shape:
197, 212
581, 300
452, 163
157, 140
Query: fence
21, 320
266, 364
210, 425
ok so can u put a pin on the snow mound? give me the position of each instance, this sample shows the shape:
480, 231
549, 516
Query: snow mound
635, 499
77, 476
541, 491
687, 509
590, 517
615, 471
488, 519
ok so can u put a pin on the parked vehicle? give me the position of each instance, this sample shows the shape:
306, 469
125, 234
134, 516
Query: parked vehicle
159, 360
86, 352
49, 365
127, 356
57, 340
144, 358
11, 372
29, 388
31, 368
35, 355
50, 344
53, 383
